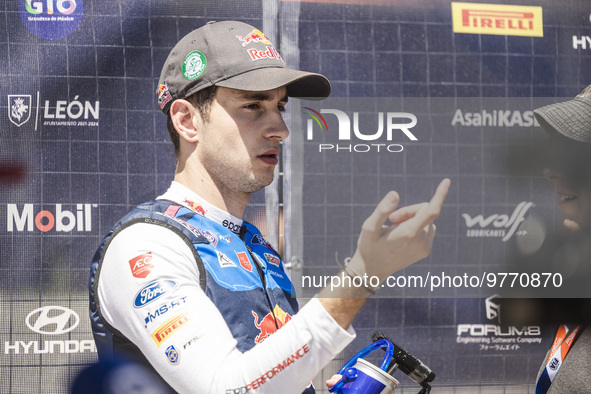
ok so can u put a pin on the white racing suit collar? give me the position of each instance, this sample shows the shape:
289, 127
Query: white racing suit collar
182, 195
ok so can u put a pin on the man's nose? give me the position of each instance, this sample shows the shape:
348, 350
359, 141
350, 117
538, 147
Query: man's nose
278, 129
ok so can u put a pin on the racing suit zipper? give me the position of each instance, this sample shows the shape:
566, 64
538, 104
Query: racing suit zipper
260, 266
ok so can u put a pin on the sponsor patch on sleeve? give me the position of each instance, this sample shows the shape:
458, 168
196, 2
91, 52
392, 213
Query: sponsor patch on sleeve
141, 265
169, 327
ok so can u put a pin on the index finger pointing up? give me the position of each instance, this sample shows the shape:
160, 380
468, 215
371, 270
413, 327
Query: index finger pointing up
441, 192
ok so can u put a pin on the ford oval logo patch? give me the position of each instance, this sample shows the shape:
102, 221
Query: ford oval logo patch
153, 290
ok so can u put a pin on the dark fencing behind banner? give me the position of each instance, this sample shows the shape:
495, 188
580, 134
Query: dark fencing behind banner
430, 89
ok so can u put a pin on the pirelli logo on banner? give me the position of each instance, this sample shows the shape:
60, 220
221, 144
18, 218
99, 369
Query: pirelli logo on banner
163, 332
500, 19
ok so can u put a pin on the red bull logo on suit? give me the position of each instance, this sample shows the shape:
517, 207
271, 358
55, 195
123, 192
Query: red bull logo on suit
270, 323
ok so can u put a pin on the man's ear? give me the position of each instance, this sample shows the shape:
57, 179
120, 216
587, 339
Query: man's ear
186, 120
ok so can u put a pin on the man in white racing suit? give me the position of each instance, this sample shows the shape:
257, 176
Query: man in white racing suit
184, 284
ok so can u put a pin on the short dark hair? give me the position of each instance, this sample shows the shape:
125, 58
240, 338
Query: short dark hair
202, 101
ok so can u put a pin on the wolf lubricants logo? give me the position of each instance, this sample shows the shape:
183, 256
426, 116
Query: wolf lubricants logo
389, 124
505, 20
497, 225
51, 19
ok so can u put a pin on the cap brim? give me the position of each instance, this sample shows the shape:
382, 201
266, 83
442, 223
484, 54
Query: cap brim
570, 118
298, 83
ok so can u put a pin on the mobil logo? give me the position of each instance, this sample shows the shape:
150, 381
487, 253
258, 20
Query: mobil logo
29, 218
152, 291
270, 323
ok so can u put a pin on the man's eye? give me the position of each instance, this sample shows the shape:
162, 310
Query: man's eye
281, 108
252, 106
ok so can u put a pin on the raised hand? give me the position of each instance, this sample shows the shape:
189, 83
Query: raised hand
383, 249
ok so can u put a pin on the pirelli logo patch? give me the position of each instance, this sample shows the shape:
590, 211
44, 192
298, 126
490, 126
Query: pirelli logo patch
169, 327
499, 19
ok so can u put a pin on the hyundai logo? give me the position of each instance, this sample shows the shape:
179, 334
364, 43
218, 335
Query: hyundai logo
52, 320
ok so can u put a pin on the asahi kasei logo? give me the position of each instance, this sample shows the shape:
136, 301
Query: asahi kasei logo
51, 19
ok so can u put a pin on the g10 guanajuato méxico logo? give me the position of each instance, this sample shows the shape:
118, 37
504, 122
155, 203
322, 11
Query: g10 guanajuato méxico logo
51, 19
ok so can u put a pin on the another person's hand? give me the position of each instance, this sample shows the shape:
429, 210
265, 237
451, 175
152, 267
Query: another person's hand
384, 249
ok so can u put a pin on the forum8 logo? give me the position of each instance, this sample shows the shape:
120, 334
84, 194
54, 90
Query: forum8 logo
65, 7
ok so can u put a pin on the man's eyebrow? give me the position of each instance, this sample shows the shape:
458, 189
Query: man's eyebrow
260, 96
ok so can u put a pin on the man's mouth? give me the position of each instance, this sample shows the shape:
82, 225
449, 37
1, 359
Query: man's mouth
270, 157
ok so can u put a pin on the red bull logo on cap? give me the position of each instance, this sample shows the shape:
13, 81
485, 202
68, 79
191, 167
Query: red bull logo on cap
269, 53
163, 95
254, 36
270, 323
